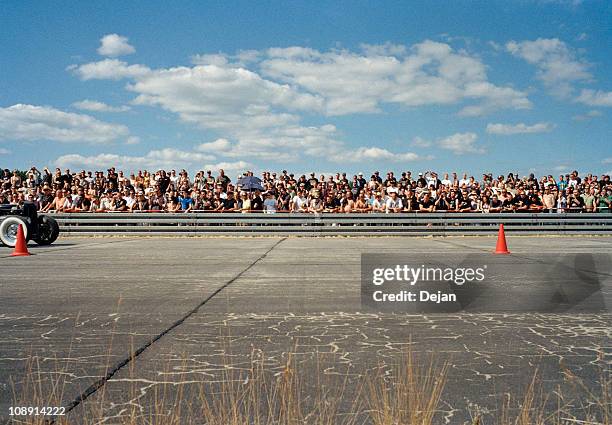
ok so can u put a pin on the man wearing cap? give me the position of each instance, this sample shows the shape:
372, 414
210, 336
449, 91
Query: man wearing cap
361, 182
393, 203
46, 197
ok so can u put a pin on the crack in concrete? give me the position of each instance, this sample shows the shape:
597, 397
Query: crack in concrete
93, 388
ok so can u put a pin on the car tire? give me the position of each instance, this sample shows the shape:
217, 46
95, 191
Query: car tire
8, 230
48, 230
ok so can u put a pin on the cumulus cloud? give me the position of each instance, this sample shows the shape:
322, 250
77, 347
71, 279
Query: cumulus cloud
255, 100
155, 159
95, 106
108, 69
595, 97
380, 154
558, 65
30, 122
236, 166
461, 143
428, 73
458, 143
115, 45
219, 145
521, 128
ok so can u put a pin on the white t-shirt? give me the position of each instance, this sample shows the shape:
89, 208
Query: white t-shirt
393, 204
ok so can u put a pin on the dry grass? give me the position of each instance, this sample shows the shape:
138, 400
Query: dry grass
302, 392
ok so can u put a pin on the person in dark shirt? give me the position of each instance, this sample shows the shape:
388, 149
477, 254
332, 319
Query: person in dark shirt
257, 202
441, 203
521, 202
229, 204
163, 181
284, 199
426, 204
496, 204
330, 204
223, 180
119, 203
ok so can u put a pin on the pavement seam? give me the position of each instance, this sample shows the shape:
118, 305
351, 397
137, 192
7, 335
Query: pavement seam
133, 355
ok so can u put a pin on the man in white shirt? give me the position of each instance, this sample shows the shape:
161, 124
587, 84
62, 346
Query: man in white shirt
393, 204
299, 203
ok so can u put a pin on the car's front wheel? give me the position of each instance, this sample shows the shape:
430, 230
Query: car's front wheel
8, 230
48, 230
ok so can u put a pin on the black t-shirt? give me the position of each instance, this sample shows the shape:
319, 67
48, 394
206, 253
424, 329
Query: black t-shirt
120, 203
164, 182
257, 203
522, 200
464, 203
426, 203
229, 204
330, 204
443, 204
223, 180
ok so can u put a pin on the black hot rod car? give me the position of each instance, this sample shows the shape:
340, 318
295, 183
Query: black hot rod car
40, 228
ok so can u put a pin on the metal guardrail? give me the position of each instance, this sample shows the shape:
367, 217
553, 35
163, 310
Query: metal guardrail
257, 224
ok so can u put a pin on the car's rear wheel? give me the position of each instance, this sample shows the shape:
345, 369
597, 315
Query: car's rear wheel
8, 230
48, 230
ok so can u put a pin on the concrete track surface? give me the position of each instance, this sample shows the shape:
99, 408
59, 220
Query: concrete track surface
198, 307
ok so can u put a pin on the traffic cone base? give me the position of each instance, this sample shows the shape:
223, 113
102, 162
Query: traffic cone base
501, 247
21, 247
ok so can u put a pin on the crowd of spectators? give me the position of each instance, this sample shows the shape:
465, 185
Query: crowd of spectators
88, 191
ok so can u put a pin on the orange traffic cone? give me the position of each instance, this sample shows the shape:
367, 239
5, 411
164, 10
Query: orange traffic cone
501, 247
21, 247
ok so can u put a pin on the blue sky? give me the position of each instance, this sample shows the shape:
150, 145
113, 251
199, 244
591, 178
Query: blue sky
469, 86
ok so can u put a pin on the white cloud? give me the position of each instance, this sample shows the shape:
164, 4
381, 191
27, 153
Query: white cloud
607, 161
507, 129
5, 151
108, 69
587, 116
229, 166
558, 65
258, 114
595, 98
95, 106
218, 145
132, 140
461, 143
156, 159
429, 73
115, 45
379, 154
29, 122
